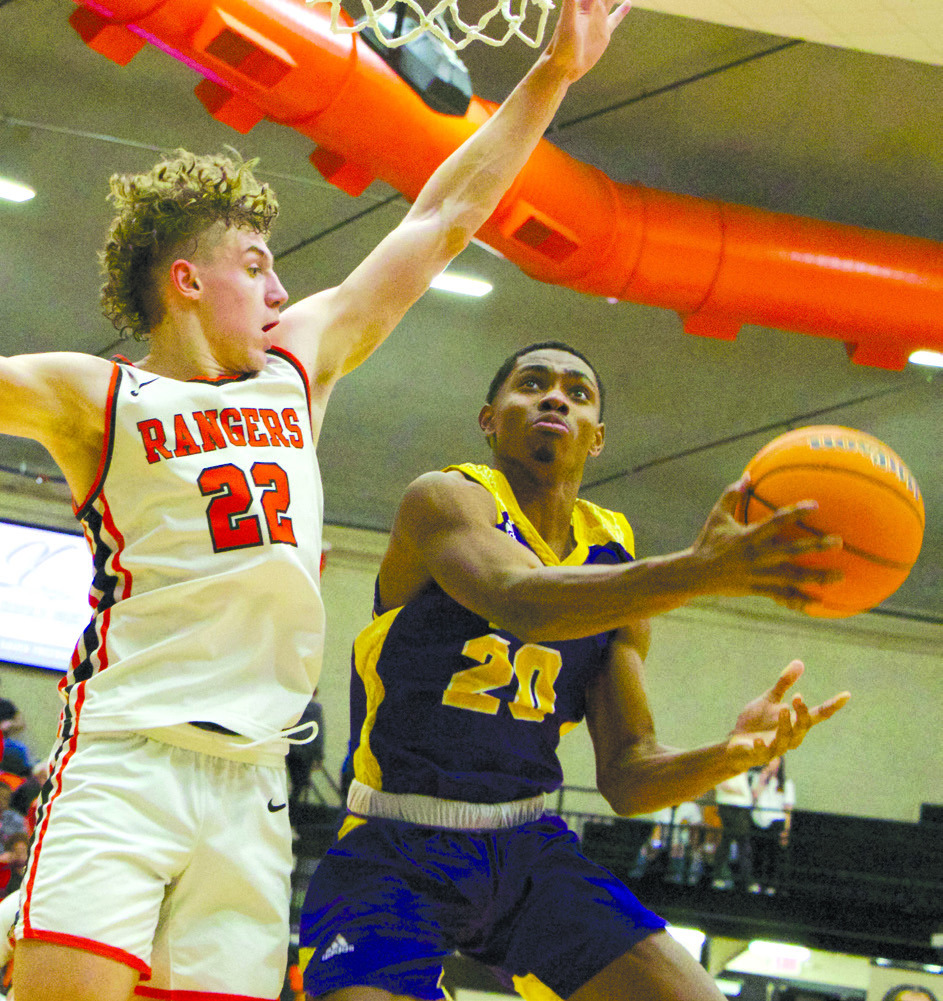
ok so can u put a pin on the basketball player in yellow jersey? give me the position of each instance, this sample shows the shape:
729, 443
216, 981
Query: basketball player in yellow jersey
507, 610
161, 861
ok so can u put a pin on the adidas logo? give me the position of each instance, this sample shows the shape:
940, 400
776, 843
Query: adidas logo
338, 947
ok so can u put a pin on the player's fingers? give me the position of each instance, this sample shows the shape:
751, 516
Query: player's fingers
615, 18
789, 525
811, 544
730, 498
790, 513
792, 574
789, 675
782, 738
802, 722
803, 716
830, 707
783, 518
788, 597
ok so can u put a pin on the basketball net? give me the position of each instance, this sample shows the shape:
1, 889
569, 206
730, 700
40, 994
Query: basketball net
434, 22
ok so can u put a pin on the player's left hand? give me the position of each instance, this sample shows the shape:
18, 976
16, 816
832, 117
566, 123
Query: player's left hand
582, 33
768, 726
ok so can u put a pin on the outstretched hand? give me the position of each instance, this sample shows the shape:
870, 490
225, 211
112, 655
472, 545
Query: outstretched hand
768, 727
582, 33
762, 558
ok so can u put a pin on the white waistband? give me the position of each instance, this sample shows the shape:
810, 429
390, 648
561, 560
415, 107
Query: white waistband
431, 812
234, 748
269, 750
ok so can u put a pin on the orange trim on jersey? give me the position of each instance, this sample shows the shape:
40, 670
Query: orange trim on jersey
90, 945
286, 355
174, 995
292, 360
108, 433
108, 524
100, 654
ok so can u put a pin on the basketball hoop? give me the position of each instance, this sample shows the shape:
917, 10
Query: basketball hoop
433, 22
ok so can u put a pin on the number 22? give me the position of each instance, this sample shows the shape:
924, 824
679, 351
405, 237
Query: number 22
231, 525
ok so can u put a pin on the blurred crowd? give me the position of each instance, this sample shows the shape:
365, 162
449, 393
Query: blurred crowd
20, 781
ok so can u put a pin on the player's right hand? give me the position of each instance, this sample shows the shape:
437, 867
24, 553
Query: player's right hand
763, 558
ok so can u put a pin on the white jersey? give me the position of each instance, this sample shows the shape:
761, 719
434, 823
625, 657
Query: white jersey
205, 530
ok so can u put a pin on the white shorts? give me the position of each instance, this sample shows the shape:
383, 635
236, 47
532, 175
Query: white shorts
175, 862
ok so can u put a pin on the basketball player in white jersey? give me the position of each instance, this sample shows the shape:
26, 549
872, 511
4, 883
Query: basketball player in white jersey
161, 860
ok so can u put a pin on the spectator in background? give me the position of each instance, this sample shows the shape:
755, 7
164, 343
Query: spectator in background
13, 862
17, 759
684, 826
774, 797
733, 859
666, 853
25, 797
11, 820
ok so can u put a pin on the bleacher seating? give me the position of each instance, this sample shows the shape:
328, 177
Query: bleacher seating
865, 860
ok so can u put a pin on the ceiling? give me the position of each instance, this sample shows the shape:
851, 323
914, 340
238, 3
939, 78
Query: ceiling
841, 128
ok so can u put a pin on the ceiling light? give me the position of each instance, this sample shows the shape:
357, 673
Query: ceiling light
933, 359
13, 192
447, 282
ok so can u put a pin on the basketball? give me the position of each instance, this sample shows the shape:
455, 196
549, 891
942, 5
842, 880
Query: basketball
866, 494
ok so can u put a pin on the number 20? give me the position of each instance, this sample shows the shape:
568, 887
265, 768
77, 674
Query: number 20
536, 669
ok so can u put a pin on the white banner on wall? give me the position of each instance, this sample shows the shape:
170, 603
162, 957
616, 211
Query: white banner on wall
44, 583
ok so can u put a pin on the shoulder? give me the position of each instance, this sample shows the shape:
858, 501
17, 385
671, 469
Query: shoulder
445, 495
65, 369
436, 508
52, 391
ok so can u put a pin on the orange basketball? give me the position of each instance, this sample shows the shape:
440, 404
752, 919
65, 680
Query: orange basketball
866, 494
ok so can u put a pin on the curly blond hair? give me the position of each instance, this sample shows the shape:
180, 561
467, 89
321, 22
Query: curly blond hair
177, 200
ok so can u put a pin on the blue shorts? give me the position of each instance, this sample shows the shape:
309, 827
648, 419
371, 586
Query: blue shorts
391, 900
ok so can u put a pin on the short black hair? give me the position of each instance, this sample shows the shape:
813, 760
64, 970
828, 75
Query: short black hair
895, 992
507, 366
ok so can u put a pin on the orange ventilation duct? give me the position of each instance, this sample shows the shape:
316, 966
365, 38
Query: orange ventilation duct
718, 265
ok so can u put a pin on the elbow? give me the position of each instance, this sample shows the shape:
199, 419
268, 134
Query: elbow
626, 781
617, 791
623, 805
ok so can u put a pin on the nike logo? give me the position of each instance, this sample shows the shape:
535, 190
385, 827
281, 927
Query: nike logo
134, 392
272, 808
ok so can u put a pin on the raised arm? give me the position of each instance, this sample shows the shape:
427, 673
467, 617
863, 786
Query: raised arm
637, 774
334, 331
444, 531
58, 399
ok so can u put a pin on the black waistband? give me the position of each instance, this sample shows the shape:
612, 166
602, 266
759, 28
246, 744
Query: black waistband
215, 727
